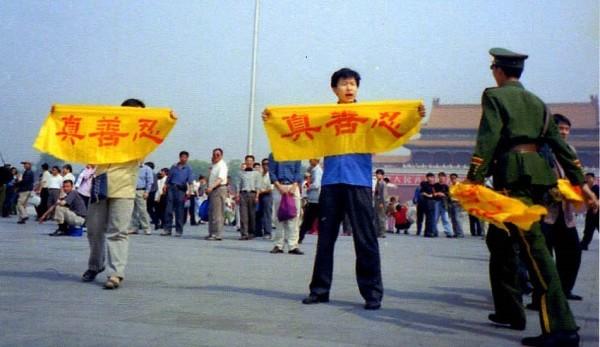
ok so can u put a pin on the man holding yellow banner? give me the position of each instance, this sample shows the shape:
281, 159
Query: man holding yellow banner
346, 134
115, 139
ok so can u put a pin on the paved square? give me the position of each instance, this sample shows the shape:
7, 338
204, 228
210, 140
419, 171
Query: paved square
190, 292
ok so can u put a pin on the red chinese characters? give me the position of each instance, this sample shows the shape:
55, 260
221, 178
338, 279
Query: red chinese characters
70, 129
387, 120
147, 130
298, 125
345, 122
108, 131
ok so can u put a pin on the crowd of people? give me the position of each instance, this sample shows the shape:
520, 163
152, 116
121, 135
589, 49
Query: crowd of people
281, 201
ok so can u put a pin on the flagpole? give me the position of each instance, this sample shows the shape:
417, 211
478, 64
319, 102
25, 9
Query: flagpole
253, 81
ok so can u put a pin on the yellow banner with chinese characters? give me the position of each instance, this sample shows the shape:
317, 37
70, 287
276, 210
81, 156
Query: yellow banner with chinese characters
103, 134
495, 208
314, 131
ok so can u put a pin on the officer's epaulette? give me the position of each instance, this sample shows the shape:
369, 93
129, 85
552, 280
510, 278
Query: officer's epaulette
476, 161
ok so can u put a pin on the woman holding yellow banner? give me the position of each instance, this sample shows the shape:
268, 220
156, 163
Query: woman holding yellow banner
346, 134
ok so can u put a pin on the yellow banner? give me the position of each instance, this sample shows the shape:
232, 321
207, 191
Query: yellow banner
493, 207
571, 193
103, 134
313, 131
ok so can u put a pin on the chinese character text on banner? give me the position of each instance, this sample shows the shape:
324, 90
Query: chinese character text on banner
103, 134
313, 131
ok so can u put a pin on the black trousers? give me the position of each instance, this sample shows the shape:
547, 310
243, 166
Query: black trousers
564, 242
43, 206
475, 226
336, 201
152, 207
311, 212
430, 222
190, 210
591, 225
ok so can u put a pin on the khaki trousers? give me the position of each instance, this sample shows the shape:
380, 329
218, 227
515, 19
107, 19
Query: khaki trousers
216, 210
107, 223
22, 204
62, 214
140, 218
287, 231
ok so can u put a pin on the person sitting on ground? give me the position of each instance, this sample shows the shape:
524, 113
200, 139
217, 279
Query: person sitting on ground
69, 211
401, 218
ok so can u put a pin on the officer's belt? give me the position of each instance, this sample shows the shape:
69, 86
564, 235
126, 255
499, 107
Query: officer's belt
525, 148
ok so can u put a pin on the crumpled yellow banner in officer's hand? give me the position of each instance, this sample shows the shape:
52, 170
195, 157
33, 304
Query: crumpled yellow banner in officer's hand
493, 207
571, 193
103, 134
314, 131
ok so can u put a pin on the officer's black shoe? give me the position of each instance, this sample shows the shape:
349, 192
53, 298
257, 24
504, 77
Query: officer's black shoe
534, 340
516, 325
372, 305
574, 297
315, 299
556, 339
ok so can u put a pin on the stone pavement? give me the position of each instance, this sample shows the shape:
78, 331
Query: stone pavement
190, 292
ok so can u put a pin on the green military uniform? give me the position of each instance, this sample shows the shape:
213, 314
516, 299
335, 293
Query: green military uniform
512, 128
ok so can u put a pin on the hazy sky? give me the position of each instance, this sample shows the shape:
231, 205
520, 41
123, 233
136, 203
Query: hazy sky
195, 57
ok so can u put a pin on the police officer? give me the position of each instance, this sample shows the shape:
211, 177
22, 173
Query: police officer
514, 124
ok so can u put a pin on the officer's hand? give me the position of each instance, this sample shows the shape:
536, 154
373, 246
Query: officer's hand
145, 195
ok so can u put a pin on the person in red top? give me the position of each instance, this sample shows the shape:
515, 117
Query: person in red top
401, 219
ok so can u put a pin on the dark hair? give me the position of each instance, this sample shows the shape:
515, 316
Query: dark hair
256, 164
56, 167
442, 174
511, 71
249, 156
398, 207
344, 73
386, 180
559, 118
263, 160
453, 175
165, 170
201, 177
218, 149
133, 103
430, 174
590, 174
379, 172
150, 164
45, 166
68, 181
184, 153
68, 167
